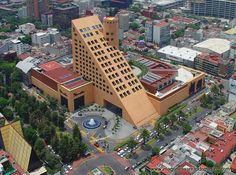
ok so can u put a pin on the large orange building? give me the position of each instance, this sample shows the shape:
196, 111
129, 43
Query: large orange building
98, 60
102, 75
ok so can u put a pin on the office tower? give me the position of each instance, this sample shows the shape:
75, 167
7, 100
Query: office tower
215, 8
111, 31
64, 13
36, 7
114, 84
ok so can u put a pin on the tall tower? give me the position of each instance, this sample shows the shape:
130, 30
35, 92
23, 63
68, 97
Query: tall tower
111, 31
114, 83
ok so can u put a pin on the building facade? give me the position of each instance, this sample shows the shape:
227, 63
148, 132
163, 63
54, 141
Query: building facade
40, 38
36, 7
123, 17
27, 28
161, 33
17, 46
114, 84
64, 13
214, 8
149, 31
215, 65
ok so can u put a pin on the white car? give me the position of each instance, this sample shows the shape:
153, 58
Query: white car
120, 152
70, 167
140, 140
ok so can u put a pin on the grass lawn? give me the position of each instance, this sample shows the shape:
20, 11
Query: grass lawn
107, 170
151, 142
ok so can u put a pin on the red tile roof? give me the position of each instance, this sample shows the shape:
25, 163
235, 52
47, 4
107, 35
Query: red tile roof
210, 57
162, 24
185, 168
180, 19
155, 160
222, 148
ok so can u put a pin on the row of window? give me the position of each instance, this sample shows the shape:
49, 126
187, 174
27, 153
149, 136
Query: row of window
86, 29
124, 94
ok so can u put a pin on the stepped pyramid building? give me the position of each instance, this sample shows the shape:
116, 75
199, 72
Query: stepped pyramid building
102, 75
96, 57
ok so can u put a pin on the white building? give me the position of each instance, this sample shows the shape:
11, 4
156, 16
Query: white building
54, 35
161, 33
40, 38
216, 46
27, 28
17, 46
182, 55
123, 17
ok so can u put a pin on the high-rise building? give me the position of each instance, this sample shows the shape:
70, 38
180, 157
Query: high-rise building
114, 84
215, 8
64, 13
123, 17
161, 33
36, 7
111, 31
149, 31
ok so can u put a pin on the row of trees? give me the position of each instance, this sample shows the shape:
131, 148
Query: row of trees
43, 121
214, 99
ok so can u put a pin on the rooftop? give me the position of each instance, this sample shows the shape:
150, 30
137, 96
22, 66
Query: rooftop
162, 24
216, 45
183, 53
60, 75
50, 66
231, 31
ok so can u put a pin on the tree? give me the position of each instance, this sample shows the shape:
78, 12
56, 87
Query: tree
39, 145
134, 26
3, 102
30, 135
145, 135
154, 173
156, 17
218, 170
166, 120
156, 151
203, 159
55, 143
215, 90
26, 39
7, 112
186, 128
221, 86
131, 143
158, 127
76, 132
209, 163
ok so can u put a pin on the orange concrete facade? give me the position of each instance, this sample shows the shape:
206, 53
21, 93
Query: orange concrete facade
109, 78
111, 31
113, 80
163, 104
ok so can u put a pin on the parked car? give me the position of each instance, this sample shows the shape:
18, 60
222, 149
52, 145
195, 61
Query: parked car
96, 144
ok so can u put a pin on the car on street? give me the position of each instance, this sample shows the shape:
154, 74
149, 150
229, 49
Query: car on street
126, 168
96, 144
120, 152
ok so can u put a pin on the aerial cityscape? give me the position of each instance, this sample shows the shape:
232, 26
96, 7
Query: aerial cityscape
117, 87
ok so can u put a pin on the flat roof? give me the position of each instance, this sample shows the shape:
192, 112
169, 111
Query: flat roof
50, 66
230, 31
183, 53
71, 84
60, 74
166, 2
184, 75
216, 45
